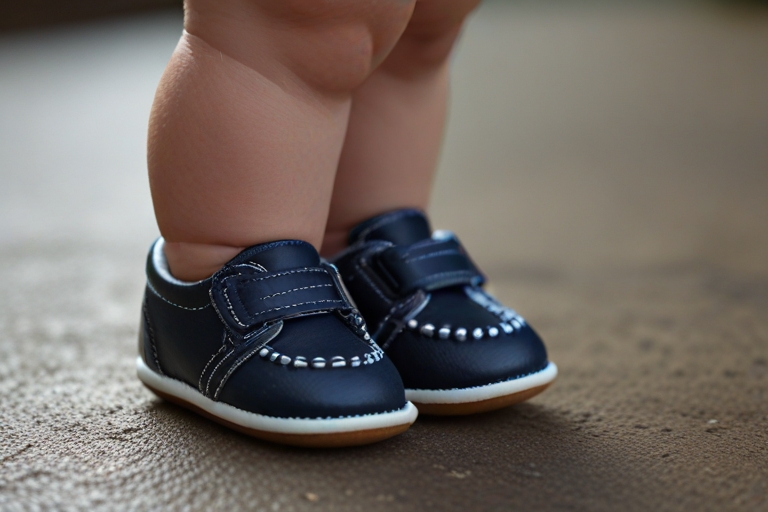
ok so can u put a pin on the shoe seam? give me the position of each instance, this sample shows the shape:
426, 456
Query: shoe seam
249, 280
202, 374
371, 283
151, 337
434, 254
152, 288
425, 280
296, 305
213, 372
279, 274
403, 303
296, 290
242, 359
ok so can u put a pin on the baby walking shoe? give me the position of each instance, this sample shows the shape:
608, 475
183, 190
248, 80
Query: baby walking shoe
271, 346
458, 350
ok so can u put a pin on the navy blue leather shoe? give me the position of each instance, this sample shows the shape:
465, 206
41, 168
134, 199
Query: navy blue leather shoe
270, 346
458, 350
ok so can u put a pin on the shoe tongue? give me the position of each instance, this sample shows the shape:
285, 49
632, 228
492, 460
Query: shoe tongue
401, 227
282, 255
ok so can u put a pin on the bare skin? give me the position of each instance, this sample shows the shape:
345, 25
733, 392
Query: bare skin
396, 125
249, 122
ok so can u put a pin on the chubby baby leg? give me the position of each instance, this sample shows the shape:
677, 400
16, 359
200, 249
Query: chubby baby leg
250, 117
396, 124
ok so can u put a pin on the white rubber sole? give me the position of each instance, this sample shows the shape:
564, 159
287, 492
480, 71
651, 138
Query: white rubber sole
319, 432
482, 398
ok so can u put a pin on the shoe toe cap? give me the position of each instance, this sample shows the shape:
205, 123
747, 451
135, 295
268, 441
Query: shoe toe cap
428, 363
271, 389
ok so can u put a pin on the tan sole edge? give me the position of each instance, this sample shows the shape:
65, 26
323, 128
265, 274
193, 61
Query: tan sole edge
336, 440
480, 406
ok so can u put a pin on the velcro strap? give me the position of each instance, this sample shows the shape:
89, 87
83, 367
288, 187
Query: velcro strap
428, 265
246, 298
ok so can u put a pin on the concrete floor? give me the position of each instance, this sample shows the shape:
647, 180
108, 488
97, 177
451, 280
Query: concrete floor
608, 167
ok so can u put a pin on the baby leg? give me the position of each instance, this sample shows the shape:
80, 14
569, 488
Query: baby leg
396, 124
249, 120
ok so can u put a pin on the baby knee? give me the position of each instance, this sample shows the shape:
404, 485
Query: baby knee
332, 45
335, 44
430, 35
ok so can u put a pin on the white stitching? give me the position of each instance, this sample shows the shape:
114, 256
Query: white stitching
376, 350
223, 346
149, 285
295, 305
298, 271
213, 372
229, 302
295, 290
255, 266
232, 368
229, 307
240, 361
407, 303
333, 271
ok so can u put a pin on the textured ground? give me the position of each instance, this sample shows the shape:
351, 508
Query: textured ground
607, 167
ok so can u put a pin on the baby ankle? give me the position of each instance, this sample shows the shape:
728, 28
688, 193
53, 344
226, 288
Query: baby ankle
334, 241
194, 261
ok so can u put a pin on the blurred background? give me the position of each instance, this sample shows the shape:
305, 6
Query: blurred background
16, 14
605, 162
